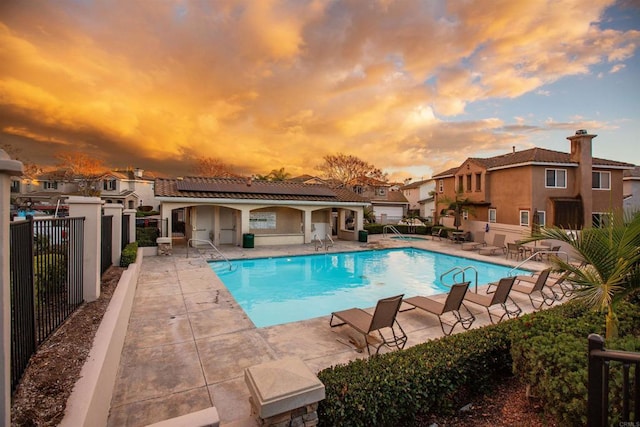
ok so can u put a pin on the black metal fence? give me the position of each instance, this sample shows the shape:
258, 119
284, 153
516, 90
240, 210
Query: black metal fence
106, 243
46, 282
599, 403
126, 233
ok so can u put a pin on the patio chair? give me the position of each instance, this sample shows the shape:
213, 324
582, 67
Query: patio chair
498, 299
451, 305
539, 281
498, 245
477, 243
437, 233
515, 250
384, 317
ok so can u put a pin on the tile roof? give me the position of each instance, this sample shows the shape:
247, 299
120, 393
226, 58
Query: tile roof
533, 155
632, 173
415, 184
236, 188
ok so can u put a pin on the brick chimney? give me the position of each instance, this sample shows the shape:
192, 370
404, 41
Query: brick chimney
581, 153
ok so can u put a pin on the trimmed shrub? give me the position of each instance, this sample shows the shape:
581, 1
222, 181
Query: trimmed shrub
129, 254
49, 274
147, 236
549, 352
392, 389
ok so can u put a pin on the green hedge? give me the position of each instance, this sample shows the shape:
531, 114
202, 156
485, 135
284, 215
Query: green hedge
549, 352
49, 274
129, 254
546, 350
146, 236
392, 389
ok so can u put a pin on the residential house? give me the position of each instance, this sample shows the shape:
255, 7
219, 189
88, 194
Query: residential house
420, 195
389, 206
224, 210
45, 192
131, 188
631, 189
570, 190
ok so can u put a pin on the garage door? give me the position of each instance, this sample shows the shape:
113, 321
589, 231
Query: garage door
388, 214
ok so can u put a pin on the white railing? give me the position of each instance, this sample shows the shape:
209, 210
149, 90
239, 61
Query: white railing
456, 272
326, 243
393, 230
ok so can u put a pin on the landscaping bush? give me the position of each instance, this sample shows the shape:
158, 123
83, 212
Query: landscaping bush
146, 236
49, 274
434, 377
404, 229
549, 352
129, 254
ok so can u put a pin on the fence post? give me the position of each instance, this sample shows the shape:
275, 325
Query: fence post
595, 383
8, 168
115, 211
132, 224
90, 209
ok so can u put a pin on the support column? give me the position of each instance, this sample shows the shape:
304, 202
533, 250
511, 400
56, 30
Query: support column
115, 211
132, 224
91, 209
8, 168
308, 234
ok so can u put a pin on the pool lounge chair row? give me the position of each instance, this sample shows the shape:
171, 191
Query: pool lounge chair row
497, 302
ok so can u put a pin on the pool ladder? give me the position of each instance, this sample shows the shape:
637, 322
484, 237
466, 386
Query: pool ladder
456, 272
393, 230
215, 249
326, 243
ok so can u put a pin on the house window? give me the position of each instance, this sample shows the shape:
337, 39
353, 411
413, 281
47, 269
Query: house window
601, 180
51, 185
465, 214
556, 178
478, 182
469, 182
524, 218
109, 185
381, 191
460, 187
492, 215
15, 186
542, 218
600, 219
357, 189
441, 186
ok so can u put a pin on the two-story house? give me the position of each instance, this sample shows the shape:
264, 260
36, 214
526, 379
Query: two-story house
44, 192
570, 190
389, 206
131, 188
419, 194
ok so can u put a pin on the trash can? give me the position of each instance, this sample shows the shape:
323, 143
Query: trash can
363, 236
247, 240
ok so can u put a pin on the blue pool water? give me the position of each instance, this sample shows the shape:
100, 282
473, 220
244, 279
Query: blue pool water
279, 290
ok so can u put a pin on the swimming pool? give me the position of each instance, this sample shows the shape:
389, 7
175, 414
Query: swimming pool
279, 290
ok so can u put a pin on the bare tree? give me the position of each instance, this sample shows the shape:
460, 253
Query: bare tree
29, 169
212, 166
82, 168
344, 168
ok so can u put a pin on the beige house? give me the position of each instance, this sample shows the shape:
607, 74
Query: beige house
419, 194
631, 189
223, 210
389, 206
571, 190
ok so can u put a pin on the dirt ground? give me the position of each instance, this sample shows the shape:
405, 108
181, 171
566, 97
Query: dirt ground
41, 396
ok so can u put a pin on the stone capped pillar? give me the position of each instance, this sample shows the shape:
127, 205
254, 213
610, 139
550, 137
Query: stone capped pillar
115, 211
91, 209
132, 224
8, 168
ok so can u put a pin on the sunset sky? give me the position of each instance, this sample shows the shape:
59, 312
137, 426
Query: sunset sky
412, 87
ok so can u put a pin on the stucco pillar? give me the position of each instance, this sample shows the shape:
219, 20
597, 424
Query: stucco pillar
115, 210
8, 168
308, 234
132, 224
90, 209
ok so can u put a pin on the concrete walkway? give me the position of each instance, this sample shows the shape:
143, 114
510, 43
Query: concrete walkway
188, 342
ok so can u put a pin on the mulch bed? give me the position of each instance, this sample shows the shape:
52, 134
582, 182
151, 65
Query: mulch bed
41, 397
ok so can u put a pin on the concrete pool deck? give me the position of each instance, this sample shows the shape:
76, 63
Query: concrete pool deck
188, 341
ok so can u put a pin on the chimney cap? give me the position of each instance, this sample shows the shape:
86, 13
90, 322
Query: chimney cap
581, 132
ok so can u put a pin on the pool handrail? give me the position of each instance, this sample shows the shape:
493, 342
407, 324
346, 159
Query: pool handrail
393, 229
214, 248
460, 270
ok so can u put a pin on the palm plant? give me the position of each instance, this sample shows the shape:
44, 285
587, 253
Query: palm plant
611, 267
